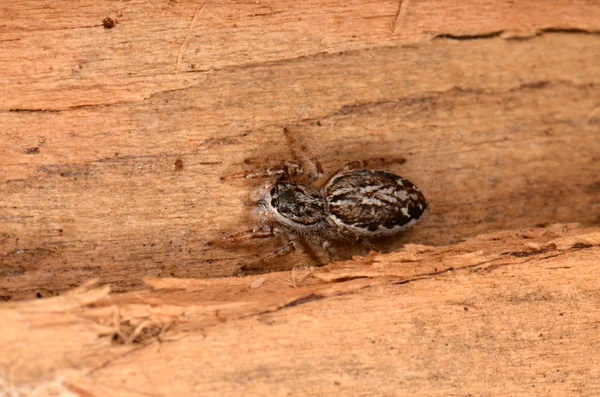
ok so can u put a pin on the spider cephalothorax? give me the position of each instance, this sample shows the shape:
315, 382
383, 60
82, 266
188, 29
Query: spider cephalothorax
354, 204
296, 205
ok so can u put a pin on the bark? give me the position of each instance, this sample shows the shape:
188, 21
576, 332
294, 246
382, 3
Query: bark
113, 139
508, 313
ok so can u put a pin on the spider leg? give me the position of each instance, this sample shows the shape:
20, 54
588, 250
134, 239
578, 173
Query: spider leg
284, 250
287, 248
355, 165
284, 169
365, 246
248, 235
361, 164
325, 245
311, 167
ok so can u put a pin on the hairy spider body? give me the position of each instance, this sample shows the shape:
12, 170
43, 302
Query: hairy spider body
371, 204
354, 204
296, 205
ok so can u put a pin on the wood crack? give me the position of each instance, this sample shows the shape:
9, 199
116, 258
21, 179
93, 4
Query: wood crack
504, 35
509, 35
400, 17
468, 37
187, 37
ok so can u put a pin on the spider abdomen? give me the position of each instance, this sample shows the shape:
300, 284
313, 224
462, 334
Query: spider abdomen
370, 203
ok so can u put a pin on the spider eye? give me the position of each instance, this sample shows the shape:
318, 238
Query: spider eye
274, 202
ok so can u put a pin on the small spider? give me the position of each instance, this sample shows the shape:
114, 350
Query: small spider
354, 204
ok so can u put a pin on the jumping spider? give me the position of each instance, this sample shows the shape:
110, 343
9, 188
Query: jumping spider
354, 204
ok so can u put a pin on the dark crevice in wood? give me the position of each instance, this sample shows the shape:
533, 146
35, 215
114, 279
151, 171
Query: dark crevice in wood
239, 67
448, 36
501, 33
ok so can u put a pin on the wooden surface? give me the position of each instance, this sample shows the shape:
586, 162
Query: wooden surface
112, 140
117, 120
512, 313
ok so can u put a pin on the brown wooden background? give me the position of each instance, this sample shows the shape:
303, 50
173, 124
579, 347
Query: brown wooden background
117, 119
511, 313
494, 105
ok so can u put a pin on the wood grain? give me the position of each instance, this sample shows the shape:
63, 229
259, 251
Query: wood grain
503, 314
58, 55
112, 141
